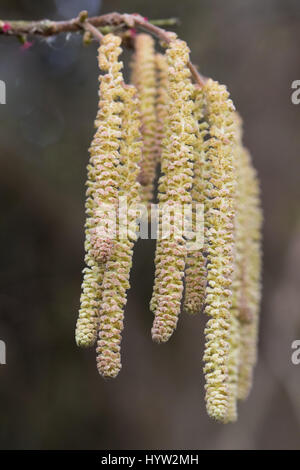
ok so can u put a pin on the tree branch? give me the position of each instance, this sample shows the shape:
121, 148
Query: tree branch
96, 25
50, 28
93, 30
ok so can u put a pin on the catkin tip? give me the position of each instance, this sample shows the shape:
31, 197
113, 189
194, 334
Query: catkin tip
160, 332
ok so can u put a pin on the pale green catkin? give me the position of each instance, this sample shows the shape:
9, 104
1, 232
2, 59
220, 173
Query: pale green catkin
162, 110
250, 293
195, 273
162, 100
103, 183
144, 78
219, 219
234, 330
174, 189
87, 322
116, 276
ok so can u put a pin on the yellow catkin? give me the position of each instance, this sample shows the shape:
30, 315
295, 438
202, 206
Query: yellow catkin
162, 110
220, 191
233, 365
105, 147
116, 277
250, 293
234, 329
103, 182
161, 100
195, 273
87, 322
144, 78
174, 190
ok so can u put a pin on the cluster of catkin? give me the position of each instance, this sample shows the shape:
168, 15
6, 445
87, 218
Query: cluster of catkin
194, 133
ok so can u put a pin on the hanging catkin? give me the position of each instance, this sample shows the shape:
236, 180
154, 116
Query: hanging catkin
143, 77
116, 277
234, 329
195, 134
105, 148
219, 220
103, 182
161, 101
174, 190
195, 273
250, 292
162, 109
87, 322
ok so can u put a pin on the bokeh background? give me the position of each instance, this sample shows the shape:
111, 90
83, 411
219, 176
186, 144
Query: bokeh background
51, 396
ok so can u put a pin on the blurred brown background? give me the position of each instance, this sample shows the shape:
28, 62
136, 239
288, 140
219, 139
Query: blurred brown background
51, 396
